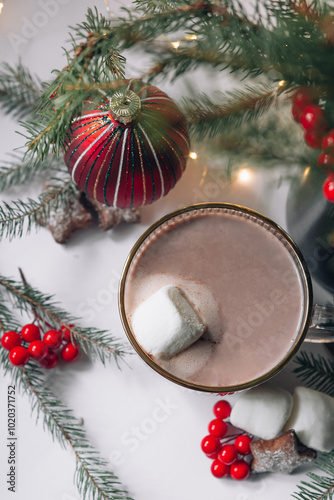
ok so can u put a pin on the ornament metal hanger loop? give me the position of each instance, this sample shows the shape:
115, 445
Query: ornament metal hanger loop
125, 106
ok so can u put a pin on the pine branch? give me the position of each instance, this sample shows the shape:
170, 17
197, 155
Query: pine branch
21, 215
93, 478
285, 46
20, 170
95, 60
288, 46
20, 91
149, 6
260, 142
321, 487
98, 343
208, 118
7, 319
317, 373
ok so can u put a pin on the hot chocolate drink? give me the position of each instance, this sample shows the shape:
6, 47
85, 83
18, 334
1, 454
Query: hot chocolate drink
245, 280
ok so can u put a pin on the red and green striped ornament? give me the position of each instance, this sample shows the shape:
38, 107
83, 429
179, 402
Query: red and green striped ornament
129, 149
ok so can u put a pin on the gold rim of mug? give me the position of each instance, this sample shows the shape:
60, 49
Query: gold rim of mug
304, 274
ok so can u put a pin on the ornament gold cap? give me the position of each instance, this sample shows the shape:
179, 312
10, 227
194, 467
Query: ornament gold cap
125, 106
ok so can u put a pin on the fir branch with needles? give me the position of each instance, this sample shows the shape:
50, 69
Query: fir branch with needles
316, 372
320, 487
20, 91
229, 111
93, 477
19, 170
7, 319
20, 216
281, 45
97, 343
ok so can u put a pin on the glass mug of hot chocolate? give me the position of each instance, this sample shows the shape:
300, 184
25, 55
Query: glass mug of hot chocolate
217, 297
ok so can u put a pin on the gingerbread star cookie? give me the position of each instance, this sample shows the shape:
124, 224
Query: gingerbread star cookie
79, 213
282, 454
63, 221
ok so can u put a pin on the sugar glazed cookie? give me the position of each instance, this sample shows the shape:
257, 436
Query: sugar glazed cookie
282, 454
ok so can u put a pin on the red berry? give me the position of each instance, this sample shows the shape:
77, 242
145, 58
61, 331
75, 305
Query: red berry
222, 409
49, 361
219, 469
210, 444
325, 160
228, 454
52, 339
328, 142
313, 119
328, 188
19, 356
242, 443
313, 139
217, 428
66, 333
214, 455
239, 470
70, 352
30, 333
301, 98
38, 349
10, 339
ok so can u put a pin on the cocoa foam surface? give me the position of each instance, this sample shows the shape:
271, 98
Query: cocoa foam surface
242, 278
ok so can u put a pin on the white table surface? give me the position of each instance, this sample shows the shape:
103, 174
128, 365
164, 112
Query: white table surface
155, 458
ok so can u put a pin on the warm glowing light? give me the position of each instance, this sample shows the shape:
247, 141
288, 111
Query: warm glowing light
244, 175
191, 37
281, 83
193, 155
176, 45
306, 172
1, 7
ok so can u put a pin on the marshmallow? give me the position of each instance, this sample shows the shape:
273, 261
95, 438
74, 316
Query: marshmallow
262, 411
165, 323
312, 418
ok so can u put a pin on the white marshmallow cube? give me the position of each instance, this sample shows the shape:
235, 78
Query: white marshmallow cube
165, 323
262, 411
312, 418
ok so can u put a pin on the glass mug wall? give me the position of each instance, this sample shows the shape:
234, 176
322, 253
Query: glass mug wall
246, 279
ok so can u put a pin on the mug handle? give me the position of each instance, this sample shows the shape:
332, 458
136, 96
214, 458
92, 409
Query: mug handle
322, 325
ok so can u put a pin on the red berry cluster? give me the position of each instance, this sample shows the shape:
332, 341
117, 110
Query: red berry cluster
227, 458
44, 351
317, 135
